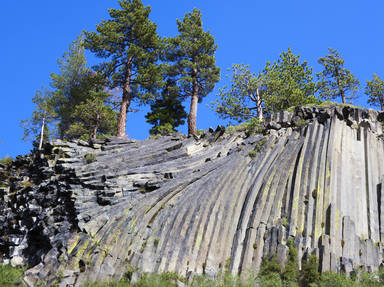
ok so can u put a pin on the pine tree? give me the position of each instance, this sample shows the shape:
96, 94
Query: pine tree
93, 117
193, 53
336, 81
130, 44
167, 112
287, 82
242, 101
68, 85
375, 92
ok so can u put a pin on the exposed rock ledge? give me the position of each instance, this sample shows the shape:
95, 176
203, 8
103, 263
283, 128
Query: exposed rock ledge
200, 205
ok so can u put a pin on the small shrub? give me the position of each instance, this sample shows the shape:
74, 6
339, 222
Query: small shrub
310, 271
252, 153
26, 183
156, 136
270, 267
260, 144
199, 132
166, 279
10, 276
332, 279
143, 246
300, 123
7, 160
251, 126
291, 270
156, 242
204, 265
90, 157
284, 221
230, 129
273, 280
227, 264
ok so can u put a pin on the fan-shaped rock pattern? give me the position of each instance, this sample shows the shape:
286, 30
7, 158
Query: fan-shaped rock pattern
205, 205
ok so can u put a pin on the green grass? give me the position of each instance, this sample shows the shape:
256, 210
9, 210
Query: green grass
10, 276
166, 279
259, 145
251, 127
324, 104
270, 279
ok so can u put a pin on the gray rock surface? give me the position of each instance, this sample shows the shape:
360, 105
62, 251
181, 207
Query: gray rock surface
92, 211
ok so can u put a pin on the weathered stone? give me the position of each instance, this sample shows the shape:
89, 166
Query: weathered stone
159, 204
273, 125
17, 261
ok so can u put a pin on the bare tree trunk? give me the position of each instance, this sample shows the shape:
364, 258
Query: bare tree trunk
258, 105
126, 101
96, 127
192, 130
42, 134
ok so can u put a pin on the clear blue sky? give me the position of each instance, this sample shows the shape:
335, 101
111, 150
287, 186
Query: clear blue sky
36, 33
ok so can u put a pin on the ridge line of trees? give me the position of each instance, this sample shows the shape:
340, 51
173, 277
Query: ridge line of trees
139, 66
290, 82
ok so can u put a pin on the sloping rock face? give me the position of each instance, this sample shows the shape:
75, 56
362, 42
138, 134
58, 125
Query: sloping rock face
81, 211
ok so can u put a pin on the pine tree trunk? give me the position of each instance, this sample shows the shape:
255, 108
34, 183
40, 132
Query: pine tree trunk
342, 96
42, 134
342, 93
381, 99
126, 101
193, 111
258, 105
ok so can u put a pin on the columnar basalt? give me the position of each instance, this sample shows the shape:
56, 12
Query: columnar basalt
90, 211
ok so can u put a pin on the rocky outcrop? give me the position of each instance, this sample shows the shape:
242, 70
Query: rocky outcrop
92, 211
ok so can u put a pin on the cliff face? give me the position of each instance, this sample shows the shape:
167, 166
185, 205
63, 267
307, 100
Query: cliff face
91, 211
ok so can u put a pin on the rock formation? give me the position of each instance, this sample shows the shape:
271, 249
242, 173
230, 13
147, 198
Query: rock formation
91, 211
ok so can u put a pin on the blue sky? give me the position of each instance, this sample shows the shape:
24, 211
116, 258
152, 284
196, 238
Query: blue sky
36, 33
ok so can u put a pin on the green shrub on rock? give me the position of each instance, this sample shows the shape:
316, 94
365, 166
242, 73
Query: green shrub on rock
333, 279
310, 271
90, 157
6, 160
291, 270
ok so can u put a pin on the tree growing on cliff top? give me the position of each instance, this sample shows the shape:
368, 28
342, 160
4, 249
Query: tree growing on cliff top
287, 82
93, 117
193, 51
336, 81
130, 44
68, 85
167, 111
375, 92
243, 99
